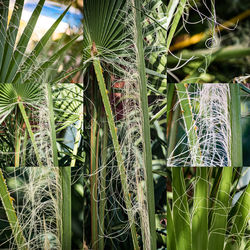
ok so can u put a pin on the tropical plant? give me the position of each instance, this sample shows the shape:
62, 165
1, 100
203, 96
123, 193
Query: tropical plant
203, 211
31, 136
133, 128
112, 67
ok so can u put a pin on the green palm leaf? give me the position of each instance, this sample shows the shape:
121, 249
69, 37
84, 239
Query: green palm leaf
13, 66
23, 42
107, 30
11, 38
10, 94
3, 24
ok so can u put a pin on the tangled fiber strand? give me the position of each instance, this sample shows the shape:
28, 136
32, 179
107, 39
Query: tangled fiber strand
211, 120
36, 195
127, 115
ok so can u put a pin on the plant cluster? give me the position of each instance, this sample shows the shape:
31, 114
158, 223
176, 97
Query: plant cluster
129, 135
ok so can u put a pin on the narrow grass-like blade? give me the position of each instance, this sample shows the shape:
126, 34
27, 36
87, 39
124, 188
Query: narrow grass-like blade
4, 10
220, 211
242, 218
236, 133
94, 151
51, 60
181, 216
171, 242
112, 128
176, 20
52, 125
23, 42
31, 134
65, 207
30, 61
7, 202
13, 27
200, 211
147, 154
186, 109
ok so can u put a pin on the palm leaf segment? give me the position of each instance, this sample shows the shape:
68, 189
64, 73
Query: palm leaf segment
11, 94
103, 26
15, 65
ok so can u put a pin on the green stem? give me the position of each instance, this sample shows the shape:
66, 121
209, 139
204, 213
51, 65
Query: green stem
7, 202
175, 22
181, 216
186, 109
220, 211
52, 125
24, 145
103, 185
65, 206
93, 180
17, 143
200, 211
65, 179
147, 154
200, 216
32, 137
172, 125
242, 218
224, 54
236, 133
112, 128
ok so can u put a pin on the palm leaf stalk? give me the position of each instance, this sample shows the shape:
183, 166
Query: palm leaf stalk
219, 220
113, 132
93, 179
200, 212
24, 145
176, 20
29, 129
172, 117
181, 216
236, 133
17, 143
220, 211
171, 237
241, 220
103, 174
64, 180
7, 202
147, 154
65, 207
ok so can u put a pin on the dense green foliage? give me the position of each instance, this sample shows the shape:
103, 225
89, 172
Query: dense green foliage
147, 152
